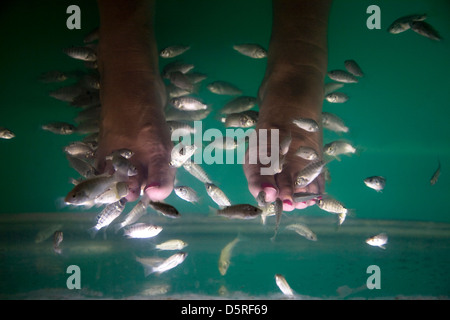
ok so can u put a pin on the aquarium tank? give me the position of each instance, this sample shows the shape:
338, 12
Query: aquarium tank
392, 242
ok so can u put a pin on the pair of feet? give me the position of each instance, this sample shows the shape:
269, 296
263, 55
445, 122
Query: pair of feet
147, 135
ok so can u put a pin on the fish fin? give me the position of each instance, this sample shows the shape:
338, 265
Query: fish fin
212, 211
117, 227
93, 232
382, 247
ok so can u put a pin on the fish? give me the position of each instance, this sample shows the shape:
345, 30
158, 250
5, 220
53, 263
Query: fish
180, 80
67, 93
404, 23
306, 124
81, 53
182, 115
46, 233
173, 51
155, 290
59, 127
84, 168
306, 196
88, 126
90, 81
307, 153
85, 192
302, 230
342, 76
141, 231
283, 285
245, 119
196, 77
378, 241
173, 244
332, 122
224, 88
285, 143
175, 66
225, 256
279, 165
261, 199
181, 153
309, 173
337, 97
251, 50
123, 152
353, 67
267, 211
331, 87
278, 208
165, 209
188, 103
6, 133
169, 263
239, 104
53, 76
180, 128
174, 92
113, 193
338, 147
240, 211
217, 195
92, 36
110, 213
332, 205
436, 174
58, 237
186, 193
225, 143
79, 149
196, 171
425, 29
123, 166
139, 209
375, 182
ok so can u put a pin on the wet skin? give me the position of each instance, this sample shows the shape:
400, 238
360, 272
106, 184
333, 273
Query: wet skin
133, 95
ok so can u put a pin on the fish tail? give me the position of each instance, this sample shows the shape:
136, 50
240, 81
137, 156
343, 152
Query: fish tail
117, 227
93, 232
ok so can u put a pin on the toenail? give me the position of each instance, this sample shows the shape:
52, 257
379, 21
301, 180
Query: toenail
288, 202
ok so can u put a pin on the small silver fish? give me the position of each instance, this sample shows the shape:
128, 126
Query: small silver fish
331, 87
425, 29
337, 97
436, 174
175, 92
124, 152
225, 256
180, 80
196, 77
67, 93
165, 209
142, 231
283, 285
261, 199
173, 51
175, 66
251, 50
306, 124
332, 205
139, 209
402, 24
186, 193
285, 143
224, 88
110, 213
170, 263
306, 196
6, 133
188, 103
92, 36
79, 149
124, 166
53, 76
84, 168
378, 241
59, 127
309, 173
217, 195
113, 193
375, 182
180, 128
353, 67
332, 122
245, 119
81, 53
181, 153
85, 192
46, 233
342, 76
225, 143
278, 208
338, 147
307, 153
173, 244
196, 171
239, 104
302, 230
240, 211
90, 81
173, 114
58, 237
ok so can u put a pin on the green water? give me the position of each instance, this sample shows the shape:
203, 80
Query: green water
397, 114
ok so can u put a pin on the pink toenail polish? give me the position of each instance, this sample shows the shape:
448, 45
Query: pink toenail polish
288, 202
152, 185
267, 185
